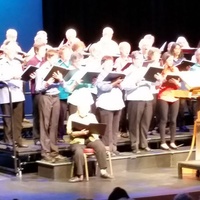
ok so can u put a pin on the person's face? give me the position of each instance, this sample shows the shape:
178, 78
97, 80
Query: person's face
76, 63
11, 51
177, 50
83, 110
124, 51
53, 59
108, 65
156, 56
65, 54
169, 62
138, 61
12, 37
42, 51
145, 48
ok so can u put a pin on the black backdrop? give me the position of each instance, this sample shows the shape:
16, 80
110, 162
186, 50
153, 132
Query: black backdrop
130, 19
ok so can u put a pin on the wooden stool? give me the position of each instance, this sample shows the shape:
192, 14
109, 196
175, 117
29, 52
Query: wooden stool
90, 152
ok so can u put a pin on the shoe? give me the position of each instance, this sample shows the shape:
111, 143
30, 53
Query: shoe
173, 146
124, 134
61, 141
48, 158
147, 149
106, 176
22, 145
37, 142
184, 129
164, 146
75, 179
136, 151
116, 153
60, 158
26, 120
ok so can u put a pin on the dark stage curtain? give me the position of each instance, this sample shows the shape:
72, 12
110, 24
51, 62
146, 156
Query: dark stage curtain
130, 19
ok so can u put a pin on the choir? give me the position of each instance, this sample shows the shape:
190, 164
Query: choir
120, 96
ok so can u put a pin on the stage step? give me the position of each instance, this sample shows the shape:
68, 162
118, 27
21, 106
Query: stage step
126, 161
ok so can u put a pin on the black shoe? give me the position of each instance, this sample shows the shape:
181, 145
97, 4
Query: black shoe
184, 129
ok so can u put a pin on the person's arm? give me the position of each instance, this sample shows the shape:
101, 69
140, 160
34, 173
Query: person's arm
75, 133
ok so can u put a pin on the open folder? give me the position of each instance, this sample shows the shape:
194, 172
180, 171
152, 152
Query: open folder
191, 79
90, 76
150, 73
189, 50
27, 72
113, 76
55, 69
174, 76
184, 64
97, 128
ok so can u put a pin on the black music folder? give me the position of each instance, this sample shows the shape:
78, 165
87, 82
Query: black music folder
27, 72
147, 62
113, 76
189, 50
62, 70
98, 128
174, 76
183, 65
89, 76
150, 74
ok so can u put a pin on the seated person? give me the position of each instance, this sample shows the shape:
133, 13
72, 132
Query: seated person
83, 139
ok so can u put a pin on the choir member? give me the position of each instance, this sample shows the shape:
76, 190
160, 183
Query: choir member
139, 100
168, 105
79, 140
11, 70
108, 45
49, 107
37, 60
109, 111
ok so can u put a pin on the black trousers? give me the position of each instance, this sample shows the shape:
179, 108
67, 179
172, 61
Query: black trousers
100, 152
36, 118
165, 110
111, 119
17, 114
139, 118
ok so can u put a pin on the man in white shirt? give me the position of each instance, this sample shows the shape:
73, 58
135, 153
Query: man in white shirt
10, 72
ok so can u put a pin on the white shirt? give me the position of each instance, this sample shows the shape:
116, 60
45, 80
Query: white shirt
137, 89
10, 72
108, 97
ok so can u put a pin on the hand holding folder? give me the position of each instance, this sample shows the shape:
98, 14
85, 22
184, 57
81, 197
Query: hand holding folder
26, 76
56, 70
184, 65
150, 74
112, 76
97, 128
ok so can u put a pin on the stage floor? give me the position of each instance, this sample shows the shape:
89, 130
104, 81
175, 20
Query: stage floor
148, 182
